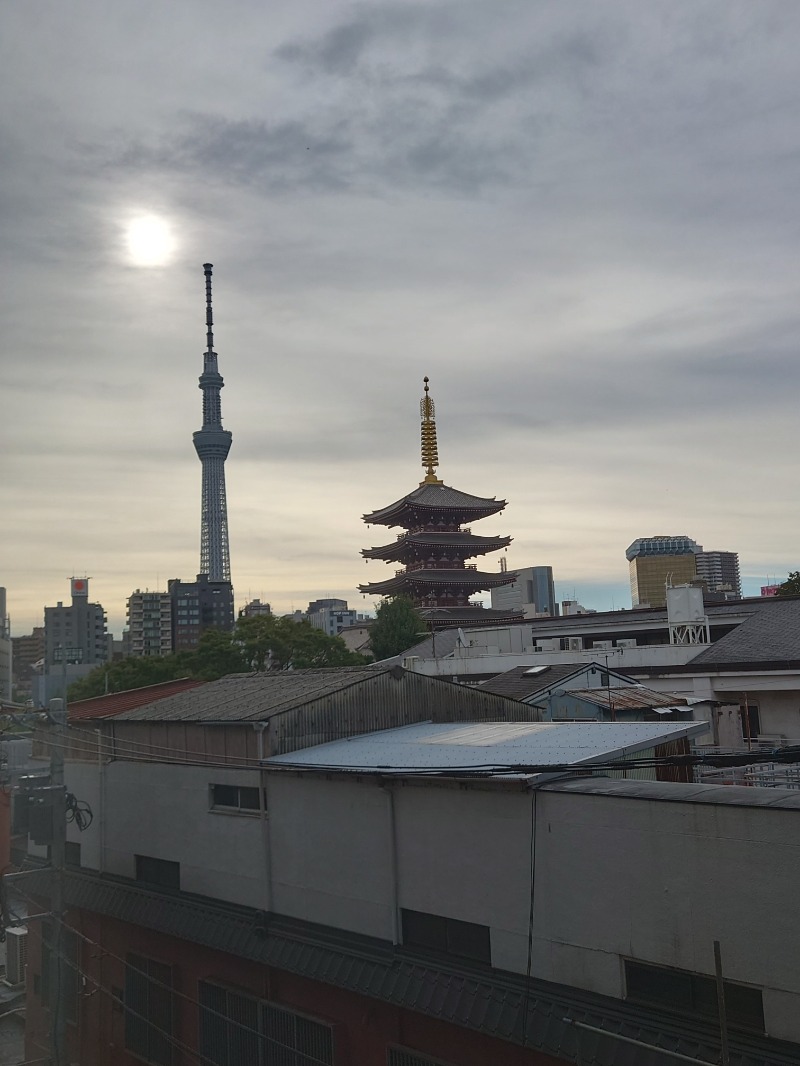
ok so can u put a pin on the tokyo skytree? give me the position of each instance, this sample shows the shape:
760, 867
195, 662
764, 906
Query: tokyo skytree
212, 444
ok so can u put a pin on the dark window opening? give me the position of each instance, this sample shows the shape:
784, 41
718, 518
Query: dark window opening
236, 798
236, 1028
751, 722
149, 1010
397, 1056
160, 872
432, 932
694, 994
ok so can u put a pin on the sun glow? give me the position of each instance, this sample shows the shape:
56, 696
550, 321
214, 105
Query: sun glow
150, 241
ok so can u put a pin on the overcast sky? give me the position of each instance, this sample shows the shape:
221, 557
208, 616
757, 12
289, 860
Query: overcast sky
579, 219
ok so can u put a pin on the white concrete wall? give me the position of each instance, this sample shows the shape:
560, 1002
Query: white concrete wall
163, 811
615, 878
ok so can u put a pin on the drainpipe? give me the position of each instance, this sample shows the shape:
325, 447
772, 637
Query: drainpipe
388, 791
260, 728
101, 771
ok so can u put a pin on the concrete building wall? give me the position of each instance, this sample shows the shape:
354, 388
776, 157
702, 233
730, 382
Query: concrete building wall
163, 811
615, 877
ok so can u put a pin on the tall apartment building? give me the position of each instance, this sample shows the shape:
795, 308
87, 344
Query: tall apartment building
197, 606
720, 571
75, 642
75, 634
27, 650
531, 592
149, 623
655, 562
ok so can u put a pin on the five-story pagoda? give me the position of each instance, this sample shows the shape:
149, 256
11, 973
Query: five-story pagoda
436, 543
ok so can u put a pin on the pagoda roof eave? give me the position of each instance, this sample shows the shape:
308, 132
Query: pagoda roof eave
475, 545
428, 497
474, 580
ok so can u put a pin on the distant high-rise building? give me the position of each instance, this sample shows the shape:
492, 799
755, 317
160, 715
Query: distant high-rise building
75, 641
28, 650
720, 571
331, 616
255, 607
6, 650
532, 592
655, 562
149, 623
197, 606
212, 444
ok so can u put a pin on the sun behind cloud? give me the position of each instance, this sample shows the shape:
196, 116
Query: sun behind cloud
149, 240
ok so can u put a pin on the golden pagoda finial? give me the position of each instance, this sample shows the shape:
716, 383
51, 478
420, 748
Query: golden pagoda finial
430, 450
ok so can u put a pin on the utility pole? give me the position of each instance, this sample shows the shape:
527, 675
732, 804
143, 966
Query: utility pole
58, 793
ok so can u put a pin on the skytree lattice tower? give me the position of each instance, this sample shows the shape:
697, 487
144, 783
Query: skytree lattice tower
212, 444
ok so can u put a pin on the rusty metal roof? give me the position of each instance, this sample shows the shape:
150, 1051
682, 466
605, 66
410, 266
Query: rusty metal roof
114, 703
629, 698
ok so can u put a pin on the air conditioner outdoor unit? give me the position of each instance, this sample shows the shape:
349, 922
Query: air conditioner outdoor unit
603, 645
16, 955
575, 644
626, 643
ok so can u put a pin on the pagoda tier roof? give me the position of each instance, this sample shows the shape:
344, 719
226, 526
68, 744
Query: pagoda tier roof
472, 615
474, 580
473, 545
432, 498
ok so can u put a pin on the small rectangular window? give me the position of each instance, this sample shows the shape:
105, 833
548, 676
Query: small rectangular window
159, 872
242, 798
149, 1010
694, 995
433, 932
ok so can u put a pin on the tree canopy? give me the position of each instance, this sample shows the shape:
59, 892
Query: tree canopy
258, 643
791, 586
398, 625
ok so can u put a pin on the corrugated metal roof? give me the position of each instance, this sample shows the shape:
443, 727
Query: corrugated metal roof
679, 792
252, 697
114, 703
453, 745
629, 698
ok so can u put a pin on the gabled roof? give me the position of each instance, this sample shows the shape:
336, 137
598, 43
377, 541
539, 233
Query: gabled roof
525, 681
768, 637
435, 497
253, 697
114, 703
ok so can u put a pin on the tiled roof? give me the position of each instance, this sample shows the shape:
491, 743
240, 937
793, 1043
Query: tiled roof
520, 682
114, 703
436, 496
769, 635
459, 539
495, 1002
461, 578
253, 697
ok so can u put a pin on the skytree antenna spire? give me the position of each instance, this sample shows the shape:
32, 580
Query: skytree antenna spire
212, 444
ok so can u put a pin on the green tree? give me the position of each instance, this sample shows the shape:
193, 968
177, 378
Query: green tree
134, 672
398, 625
218, 653
270, 643
791, 586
